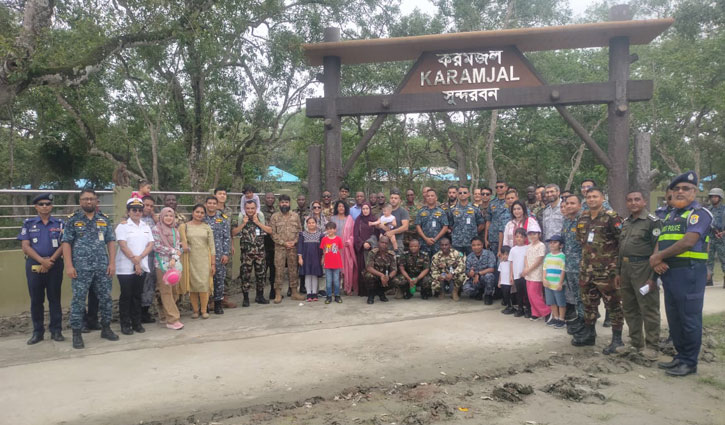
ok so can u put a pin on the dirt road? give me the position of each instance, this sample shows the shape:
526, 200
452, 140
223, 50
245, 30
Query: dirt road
259, 364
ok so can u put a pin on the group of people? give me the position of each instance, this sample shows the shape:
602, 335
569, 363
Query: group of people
552, 257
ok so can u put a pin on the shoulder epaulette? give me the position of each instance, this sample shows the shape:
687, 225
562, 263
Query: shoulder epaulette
653, 217
224, 216
611, 213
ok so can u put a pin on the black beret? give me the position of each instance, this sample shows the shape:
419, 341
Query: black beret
688, 177
43, 197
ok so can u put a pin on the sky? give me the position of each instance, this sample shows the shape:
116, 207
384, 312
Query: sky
577, 6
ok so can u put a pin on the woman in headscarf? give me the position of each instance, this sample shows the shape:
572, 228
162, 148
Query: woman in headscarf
345, 225
167, 252
362, 232
199, 259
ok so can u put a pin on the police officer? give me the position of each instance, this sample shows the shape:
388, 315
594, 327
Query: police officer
431, 223
598, 233
636, 243
680, 258
40, 239
219, 224
89, 252
251, 233
717, 239
465, 222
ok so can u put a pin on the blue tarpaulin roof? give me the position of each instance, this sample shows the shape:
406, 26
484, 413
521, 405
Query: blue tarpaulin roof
281, 175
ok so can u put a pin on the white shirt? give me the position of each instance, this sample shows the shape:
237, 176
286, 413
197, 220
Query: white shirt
137, 237
504, 269
517, 256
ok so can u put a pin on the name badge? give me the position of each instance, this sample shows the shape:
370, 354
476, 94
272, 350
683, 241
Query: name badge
256, 231
433, 224
590, 237
100, 236
468, 220
55, 243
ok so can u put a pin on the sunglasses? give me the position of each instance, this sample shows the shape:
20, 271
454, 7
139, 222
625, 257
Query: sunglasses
500, 186
135, 209
463, 193
327, 196
44, 204
316, 208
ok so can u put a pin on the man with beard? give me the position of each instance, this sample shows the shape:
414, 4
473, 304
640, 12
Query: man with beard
285, 227
498, 213
267, 211
327, 204
89, 253
552, 218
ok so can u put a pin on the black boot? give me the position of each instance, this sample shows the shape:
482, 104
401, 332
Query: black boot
259, 299
571, 313
146, 315
271, 293
78, 339
218, 307
487, 300
126, 329
245, 303
382, 295
56, 336
425, 293
607, 321
616, 342
587, 336
407, 295
108, 334
371, 299
574, 326
138, 328
36, 338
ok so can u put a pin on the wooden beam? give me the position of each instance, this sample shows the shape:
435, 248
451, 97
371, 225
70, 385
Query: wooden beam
566, 94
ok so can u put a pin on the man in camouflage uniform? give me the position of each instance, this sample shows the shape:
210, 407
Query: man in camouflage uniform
481, 279
499, 214
302, 209
327, 206
286, 227
251, 233
598, 233
268, 210
573, 253
534, 205
219, 224
448, 266
636, 244
717, 234
221, 195
381, 268
431, 223
465, 221
413, 209
89, 254
414, 267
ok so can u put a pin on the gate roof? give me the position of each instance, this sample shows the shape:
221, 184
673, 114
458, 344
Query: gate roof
526, 39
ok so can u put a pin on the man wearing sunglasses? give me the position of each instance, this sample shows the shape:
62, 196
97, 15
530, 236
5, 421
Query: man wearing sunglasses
40, 239
498, 212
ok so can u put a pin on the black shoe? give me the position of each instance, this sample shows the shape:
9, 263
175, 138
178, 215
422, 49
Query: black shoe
259, 299
108, 334
587, 336
371, 299
616, 342
488, 300
328, 300
574, 326
271, 293
668, 365
78, 339
527, 313
57, 336
36, 338
407, 295
607, 321
382, 296
508, 310
218, 307
126, 330
518, 313
338, 299
681, 370
139, 328
146, 315
245, 302
425, 294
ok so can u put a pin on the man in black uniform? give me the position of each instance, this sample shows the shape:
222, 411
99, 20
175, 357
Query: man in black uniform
40, 239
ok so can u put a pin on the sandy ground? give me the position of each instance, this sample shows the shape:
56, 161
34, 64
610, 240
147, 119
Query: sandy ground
402, 362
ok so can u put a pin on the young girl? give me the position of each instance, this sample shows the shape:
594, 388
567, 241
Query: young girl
331, 246
533, 273
387, 222
309, 256
553, 280
517, 258
505, 269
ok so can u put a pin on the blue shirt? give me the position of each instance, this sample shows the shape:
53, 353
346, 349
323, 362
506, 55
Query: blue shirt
355, 211
44, 238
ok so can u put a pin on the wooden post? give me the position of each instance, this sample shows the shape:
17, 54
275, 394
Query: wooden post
642, 165
333, 135
314, 173
618, 115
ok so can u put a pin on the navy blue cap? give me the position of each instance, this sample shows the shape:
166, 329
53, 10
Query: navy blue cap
557, 238
43, 197
688, 177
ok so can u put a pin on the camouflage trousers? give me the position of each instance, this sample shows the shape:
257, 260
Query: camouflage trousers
486, 286
101, 283
256, 263
456, 282
717, 249
219, 276
640, 311
401, 282
594, 287
282, 255
374, 283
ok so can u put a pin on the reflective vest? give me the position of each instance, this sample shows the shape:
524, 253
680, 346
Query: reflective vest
674, 229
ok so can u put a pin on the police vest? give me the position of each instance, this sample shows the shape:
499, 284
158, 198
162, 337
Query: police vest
673, 230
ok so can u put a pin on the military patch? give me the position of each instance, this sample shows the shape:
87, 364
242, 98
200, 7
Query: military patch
424, 214
694, 218
101, 223
656, 232
456, 213
79, 224
24, 231
218, 220
224, 216
437, 214
580, 225
618, 225
470, 211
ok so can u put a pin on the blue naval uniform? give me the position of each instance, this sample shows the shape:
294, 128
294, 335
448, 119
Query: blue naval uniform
464, 222
88, 239
219, 224
500, 215
431, 221
45, 240
573, 253
684, 281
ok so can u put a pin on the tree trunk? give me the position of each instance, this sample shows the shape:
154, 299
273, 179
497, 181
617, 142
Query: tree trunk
491, 175
642, 165
314, 173
462, 160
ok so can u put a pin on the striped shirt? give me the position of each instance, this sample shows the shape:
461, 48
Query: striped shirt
553, 269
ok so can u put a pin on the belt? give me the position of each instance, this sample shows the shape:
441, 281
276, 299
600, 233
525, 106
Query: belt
675, 263
634, 259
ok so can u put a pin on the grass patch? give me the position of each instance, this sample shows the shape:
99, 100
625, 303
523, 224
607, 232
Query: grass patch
714, 321
714, 329
710, 380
